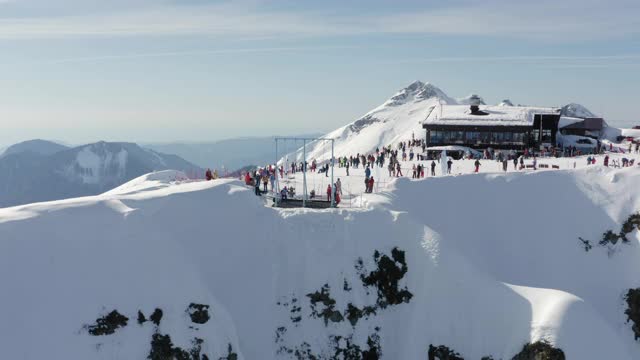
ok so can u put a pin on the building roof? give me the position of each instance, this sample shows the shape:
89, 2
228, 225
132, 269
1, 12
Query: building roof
592, 124
494, 115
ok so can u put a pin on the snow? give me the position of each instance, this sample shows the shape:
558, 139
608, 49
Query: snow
487, 274
496, 115
577, 110
399, 118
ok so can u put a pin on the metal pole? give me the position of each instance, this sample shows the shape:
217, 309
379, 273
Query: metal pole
277, 192
304, 173
333, 191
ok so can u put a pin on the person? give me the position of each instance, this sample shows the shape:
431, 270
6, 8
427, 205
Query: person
477, 164
265, 181
215, 174
312, 194
328, 192
208, 175
367, 172
366, 185
338, 187
515, 163
371, 185
449, 163
521, 163
399, 170
337, 198
272, 179
347, 166
257, 186
247, 179
606, 160
505, 163
589, 160
283, 193
535, 163
433, 168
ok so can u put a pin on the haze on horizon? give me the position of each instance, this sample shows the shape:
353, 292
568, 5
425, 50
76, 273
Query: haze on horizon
197, 70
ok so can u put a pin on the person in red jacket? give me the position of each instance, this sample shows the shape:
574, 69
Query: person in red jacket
208, 175
328, 192
371, 184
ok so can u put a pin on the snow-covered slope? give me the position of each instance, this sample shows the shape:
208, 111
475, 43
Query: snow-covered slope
424, 263
28, 176
399, 118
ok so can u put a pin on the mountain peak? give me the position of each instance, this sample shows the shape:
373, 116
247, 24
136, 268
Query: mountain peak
505, 102
418, 91
577, 111
471, 98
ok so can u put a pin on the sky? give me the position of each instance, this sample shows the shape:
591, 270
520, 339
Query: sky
79, 71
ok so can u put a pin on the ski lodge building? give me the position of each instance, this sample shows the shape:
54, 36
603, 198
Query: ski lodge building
497, 127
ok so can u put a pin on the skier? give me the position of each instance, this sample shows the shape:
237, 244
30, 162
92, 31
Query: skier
367, 172
371, 184
433, 168
477, 164
399, 169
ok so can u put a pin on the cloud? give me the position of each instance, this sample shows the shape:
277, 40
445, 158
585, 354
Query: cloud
543, 19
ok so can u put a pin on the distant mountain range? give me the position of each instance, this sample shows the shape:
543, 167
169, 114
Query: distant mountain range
231, 154
40, 170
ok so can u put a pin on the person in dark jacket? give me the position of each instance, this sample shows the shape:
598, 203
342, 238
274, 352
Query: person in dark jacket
433, 168
477, 164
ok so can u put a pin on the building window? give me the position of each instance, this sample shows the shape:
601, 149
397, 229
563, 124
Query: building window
472, 136
546, 135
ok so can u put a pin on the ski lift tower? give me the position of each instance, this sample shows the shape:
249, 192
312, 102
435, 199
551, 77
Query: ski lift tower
304, 166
